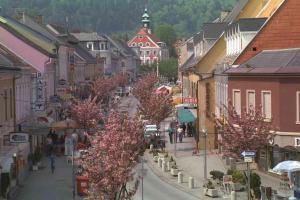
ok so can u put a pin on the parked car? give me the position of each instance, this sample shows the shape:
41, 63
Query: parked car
122, 91
151, 135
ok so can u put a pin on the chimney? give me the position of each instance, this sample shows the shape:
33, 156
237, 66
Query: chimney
224, 14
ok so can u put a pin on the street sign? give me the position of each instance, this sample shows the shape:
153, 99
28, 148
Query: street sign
18, 137
248, 154
248, 159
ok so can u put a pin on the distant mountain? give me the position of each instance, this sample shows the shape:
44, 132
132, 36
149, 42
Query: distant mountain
108, 16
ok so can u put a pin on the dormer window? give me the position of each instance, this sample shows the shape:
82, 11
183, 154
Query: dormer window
140, 44
133, 44
141, 37
147, 44
89, 45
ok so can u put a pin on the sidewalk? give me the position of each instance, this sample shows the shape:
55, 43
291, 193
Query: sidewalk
44, 185
193, 165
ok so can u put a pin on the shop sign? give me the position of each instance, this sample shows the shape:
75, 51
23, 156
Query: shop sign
18, 137
39, 103
190, 100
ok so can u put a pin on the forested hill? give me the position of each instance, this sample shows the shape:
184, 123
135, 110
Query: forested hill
109, 16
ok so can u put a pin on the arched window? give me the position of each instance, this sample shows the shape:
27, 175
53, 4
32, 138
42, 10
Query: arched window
134, 44
147, 44
140, 44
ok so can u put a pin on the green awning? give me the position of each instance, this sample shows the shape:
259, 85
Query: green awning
185, 115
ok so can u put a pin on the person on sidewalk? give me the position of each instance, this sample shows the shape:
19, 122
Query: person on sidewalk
52, 163
180, 133
183, 126
170, 131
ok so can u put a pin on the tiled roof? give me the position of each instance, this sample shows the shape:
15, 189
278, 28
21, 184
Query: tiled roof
80, 50
285, 61
85, 37
39, 28
247, 24
198, 37
190, 63
29, 36
122, 46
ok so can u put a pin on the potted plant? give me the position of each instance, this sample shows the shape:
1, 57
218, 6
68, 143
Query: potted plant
217, 176
238, 179
174, 170
210, 190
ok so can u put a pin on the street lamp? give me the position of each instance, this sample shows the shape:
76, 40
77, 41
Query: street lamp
204, 131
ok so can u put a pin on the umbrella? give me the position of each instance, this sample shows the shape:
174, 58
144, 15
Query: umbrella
65, 124
287, 166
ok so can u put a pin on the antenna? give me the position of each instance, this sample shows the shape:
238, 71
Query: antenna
67, 24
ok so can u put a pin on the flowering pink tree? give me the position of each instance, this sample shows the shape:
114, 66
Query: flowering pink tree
87, 113
250, 131
156, 108
102, 88
112, 157
143, 89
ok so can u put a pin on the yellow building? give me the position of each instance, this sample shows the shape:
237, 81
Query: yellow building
205, 67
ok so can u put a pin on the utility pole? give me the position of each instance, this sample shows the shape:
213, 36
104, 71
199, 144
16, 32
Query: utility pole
205, 157
248, 181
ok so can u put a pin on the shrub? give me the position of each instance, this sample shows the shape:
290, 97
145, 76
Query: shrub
216, 174
209, 185
255, 181
238, 177
230, 171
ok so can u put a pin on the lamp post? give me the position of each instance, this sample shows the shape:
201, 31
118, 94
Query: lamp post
204, 131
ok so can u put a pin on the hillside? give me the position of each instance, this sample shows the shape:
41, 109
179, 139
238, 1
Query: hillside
109, 16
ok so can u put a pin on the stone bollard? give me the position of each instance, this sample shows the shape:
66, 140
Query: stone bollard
168, 165
233, 195
191, 182
159, 162
180, 177
163, 166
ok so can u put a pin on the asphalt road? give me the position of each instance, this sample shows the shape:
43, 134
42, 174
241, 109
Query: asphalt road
156, 189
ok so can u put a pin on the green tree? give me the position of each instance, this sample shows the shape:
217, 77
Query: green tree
168, 68
167, 34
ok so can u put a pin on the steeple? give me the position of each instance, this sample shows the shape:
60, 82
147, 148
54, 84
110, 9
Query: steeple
146, 19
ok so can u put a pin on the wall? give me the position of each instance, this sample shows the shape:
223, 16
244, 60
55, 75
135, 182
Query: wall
281, 31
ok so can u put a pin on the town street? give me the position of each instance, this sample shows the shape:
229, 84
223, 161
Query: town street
156, 189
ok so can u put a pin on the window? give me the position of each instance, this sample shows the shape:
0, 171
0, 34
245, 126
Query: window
237, 101
250, 99
140, 44
133, 44
207, 99
266, 104
147, 53
5, 105
154, 52
298, 107
96, 46
147, 44
11, 102
89, 45
102, 46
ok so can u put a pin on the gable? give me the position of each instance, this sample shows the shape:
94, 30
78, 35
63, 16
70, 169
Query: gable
282, 31
144, 40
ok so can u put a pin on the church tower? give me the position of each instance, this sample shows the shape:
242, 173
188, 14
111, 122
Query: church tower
146, 19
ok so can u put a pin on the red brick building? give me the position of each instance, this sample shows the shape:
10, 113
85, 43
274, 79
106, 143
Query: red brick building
271, 79
281, 31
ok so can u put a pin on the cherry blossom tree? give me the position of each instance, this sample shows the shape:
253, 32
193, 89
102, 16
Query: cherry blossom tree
144, 88
102, 88
248, 131
87, 113
156, 108
112, 157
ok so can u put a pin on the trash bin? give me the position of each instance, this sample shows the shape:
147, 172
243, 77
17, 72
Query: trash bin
82, 185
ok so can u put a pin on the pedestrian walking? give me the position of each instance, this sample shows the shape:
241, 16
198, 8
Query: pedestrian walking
52, 163
183, 128
170, 131
180, 133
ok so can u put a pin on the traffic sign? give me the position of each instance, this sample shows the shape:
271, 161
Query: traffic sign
248, 153
248, 159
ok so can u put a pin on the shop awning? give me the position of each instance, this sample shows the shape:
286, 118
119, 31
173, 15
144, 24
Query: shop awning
185, 115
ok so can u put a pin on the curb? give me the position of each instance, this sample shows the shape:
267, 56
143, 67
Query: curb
162, 176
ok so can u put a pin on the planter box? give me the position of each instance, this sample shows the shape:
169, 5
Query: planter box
210, 192
166, 159
155, 158
174, 172
237, 187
